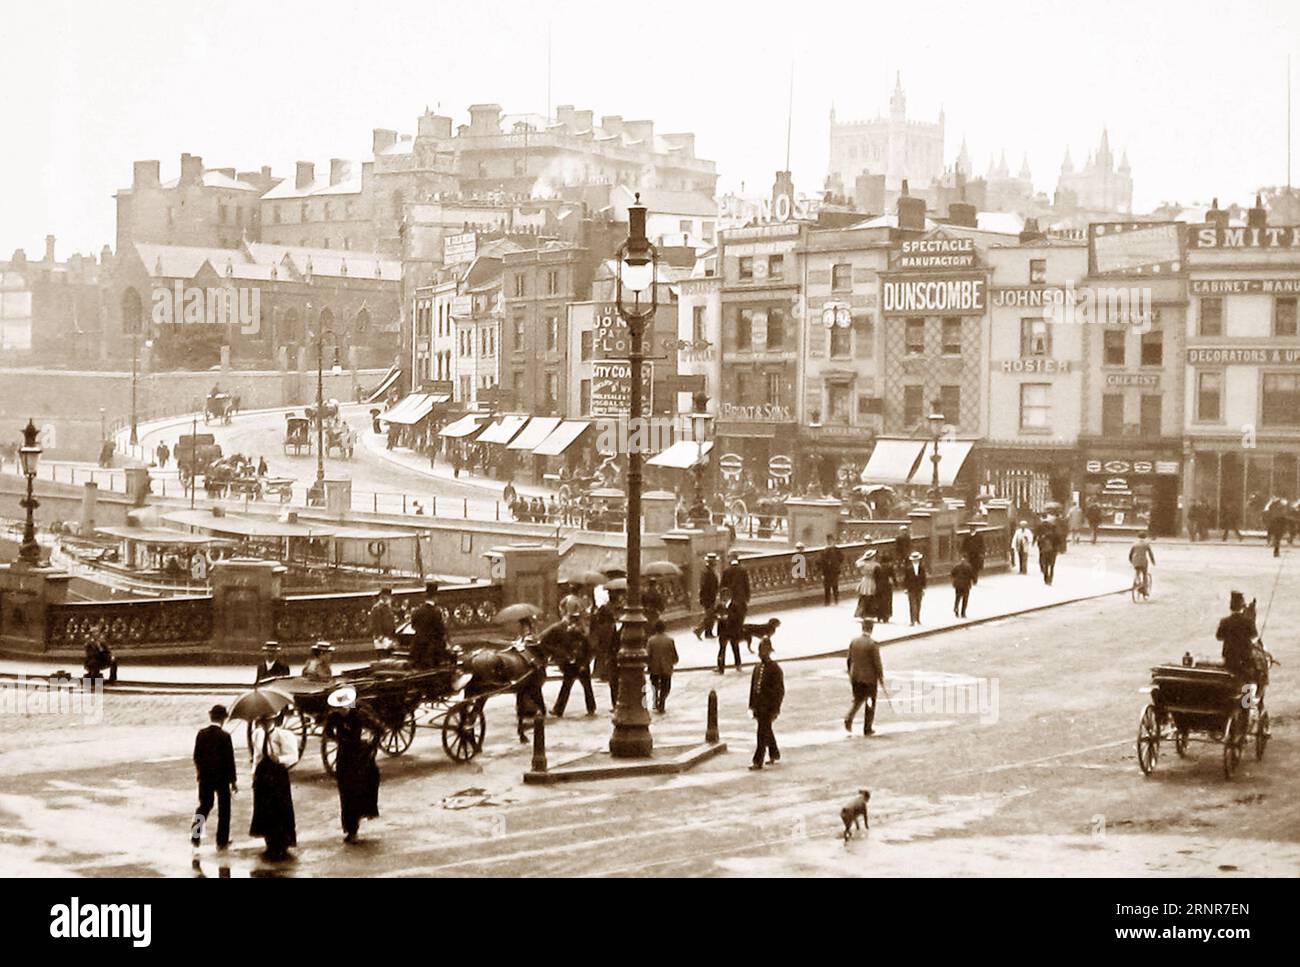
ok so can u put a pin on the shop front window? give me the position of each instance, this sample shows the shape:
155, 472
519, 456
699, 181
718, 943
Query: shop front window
1209, 395
1280, 399
914, 336
840, 396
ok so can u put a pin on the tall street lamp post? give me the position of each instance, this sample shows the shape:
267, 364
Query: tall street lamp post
135, 367
29, 455
699, 515
319, 487
936, 420
635, 277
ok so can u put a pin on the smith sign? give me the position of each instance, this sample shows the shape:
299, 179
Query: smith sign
944, 296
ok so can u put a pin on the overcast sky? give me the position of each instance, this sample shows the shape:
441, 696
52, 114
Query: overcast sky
1196, 91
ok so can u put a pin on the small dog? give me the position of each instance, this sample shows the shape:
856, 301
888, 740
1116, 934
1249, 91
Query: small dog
748, 632
854, 812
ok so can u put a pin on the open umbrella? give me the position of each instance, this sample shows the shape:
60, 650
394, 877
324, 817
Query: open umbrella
661, 569
589, 578
513, 613
614, 572
617, 584
261, 702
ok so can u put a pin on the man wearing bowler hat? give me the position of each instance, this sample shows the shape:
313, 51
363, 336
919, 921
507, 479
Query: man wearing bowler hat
766, 693
429, 648
214, 761
708, 596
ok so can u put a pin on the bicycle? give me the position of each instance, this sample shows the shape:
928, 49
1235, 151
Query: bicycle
1141, 588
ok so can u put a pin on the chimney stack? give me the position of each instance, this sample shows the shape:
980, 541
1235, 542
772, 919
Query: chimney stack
911, 211
381, 140
485, 119
191, 169
145, 174
1030, 232
338, 170
583, 120
612, 123
1216, 216
564, 115
1257, 217
643, 131
962, 213
306, 174
49, 248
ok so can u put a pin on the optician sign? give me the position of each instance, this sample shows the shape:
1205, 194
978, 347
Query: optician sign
951, 295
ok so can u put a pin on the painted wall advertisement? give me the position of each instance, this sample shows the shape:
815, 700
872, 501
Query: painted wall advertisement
611, 388
928, 295
1135, 248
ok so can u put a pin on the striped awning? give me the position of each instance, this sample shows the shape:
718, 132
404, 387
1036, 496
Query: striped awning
952, 454
502, 431
561, 438
537, 430
413, 408
893, 461
463, 427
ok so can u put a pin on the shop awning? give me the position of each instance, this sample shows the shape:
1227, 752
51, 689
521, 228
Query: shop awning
463, 427
413, 408
682, 455
893, 461
503, 431
952, 454
561, 438
537, 430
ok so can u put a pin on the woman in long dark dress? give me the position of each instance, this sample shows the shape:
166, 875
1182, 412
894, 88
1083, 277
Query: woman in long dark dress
275, 749
884, 598
357, 734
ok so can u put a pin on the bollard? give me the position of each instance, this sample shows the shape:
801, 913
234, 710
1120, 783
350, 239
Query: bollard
374, 498
465, 509
711, 729
433, 508
539, 743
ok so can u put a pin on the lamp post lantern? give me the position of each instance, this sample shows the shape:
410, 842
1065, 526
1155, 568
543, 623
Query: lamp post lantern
29, 455
936, 419
635, 277
700, 419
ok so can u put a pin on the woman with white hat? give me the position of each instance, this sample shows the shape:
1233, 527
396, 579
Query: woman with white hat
866, 566
357, 734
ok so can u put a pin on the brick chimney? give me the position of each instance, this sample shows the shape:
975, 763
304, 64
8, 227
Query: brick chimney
1257, 217
381, 140
49, 248
228, 172
485, 119
434, 126
911, 211
583, 120
684, 142
643, 131
1216, 216
963, 213
306, 174
612, 123
564, 115
191, 169
1030, 232
338, 170
144, 174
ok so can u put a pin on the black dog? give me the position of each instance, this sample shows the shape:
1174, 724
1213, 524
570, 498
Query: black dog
766, 629
855, 811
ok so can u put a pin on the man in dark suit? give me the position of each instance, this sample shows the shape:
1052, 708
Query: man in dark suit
1047, 552
1237, 632
766, 693
902, 549
963, 576
708, 596
736, 579
565, 643
272, 666
214, 761
383, 623
973, 548
914, 581
429, 648
832, 564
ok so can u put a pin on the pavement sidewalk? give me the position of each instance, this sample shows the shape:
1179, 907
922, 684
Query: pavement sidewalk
806, 632
376, 444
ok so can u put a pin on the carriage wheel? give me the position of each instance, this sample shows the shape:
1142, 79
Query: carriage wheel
398, 739
463, 730
1234, 740
1180, 743
1148, 740
1261, 735
329, 753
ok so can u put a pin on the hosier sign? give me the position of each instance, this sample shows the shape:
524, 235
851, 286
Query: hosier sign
953, 295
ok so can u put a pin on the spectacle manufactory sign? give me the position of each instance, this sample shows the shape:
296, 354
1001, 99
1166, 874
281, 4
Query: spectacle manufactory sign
936, 253
941, 296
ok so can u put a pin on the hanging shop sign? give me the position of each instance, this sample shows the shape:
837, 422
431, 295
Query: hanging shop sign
953, 295
731, 464
781, 467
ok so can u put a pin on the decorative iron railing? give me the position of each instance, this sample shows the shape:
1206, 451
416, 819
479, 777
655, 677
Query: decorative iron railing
346, 617
129, 624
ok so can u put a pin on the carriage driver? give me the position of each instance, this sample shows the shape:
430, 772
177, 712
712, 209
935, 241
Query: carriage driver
1237, 632
429, 649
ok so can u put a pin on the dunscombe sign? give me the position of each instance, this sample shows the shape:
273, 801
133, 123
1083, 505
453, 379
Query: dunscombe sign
942, 295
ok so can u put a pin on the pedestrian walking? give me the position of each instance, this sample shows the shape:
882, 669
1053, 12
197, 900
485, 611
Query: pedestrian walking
262, 469
1229, 520
866, 566
766, 693
708, 597
1047, 554
661, 658
865, 675
883, 601
736, 579
600, 633
1021, 541
731, 621
902, 549
653, 602
271, 666
963, 576
1074, 521
1276, 526
973, 549
1093, 514
357, 734
163, 454
275, 749
832, 564
214, 763
914, 582
530, 702
565, 643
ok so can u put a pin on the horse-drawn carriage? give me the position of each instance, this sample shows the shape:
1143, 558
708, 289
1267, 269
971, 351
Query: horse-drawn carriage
404, 698
328, 410
1203, 702
220, 406
297, 435
195, 453
341, 437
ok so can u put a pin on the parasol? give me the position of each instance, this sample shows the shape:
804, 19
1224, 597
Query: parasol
662, 569
588, 578
513, 613
260, 703
617, 584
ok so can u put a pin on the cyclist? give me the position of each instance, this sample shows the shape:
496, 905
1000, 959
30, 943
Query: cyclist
1141, 556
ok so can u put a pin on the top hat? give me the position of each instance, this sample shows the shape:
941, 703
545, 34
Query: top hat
1236, 600
431, 587
218, 712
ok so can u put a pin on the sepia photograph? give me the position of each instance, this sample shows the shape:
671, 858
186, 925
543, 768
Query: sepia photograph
567, 440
